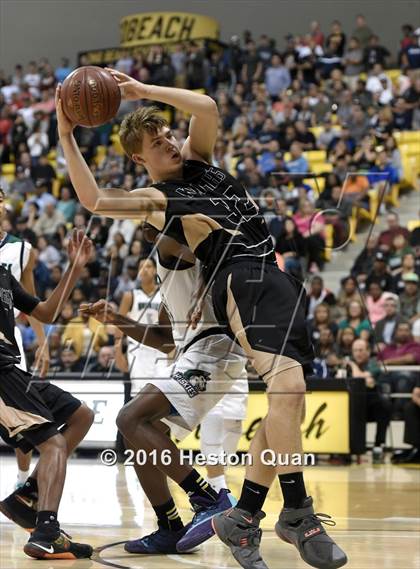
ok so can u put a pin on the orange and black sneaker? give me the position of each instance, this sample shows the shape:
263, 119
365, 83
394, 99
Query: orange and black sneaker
21, 509
59, 548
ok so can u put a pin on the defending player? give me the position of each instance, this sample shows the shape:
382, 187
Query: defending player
208, 366
31, 413
207, 209
142, 305
19, 257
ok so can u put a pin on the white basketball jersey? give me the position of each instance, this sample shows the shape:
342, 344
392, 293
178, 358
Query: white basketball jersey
143, 359
177, 287
14, 255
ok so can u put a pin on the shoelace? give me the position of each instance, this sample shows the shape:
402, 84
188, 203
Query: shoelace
66, 534
325, 519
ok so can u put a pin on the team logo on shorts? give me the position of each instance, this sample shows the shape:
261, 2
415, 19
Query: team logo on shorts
194, 381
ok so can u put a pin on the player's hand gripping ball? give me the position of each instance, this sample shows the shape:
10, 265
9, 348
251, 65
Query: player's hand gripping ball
90, 96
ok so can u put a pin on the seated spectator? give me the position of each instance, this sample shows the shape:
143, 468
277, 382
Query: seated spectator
379, 272
346, 337
84, 333
384, 329
49, 221
67, 205
410, 298
135, 253
322, 320
394, 228
327, 135
311, 226
48, 254
291, 246
276, 223
379, 407
105, 361
318, 294
69, 361
337, 210
347, 293
128, 281
43, 171
356, 319
325, 346
411, 431
365, 155
305, 136
375, 301
404, 350
399, 248
297, 163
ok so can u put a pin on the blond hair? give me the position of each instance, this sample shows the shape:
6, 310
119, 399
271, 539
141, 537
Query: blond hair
135, 124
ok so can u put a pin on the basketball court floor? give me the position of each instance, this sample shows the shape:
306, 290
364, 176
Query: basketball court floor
376, 508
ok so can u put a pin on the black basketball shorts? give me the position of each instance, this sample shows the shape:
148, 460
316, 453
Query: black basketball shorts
264, 309
31, 411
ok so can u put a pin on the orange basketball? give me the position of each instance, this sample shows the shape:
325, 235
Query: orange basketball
90, 96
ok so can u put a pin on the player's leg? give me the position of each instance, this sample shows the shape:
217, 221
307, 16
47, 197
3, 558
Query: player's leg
23, 459
24, 464
155, 486
22, 505
211, 443
273, 335
21, 402
137, 422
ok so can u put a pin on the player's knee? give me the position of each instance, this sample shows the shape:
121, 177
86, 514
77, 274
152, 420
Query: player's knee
85, 415
124, 419
56, 444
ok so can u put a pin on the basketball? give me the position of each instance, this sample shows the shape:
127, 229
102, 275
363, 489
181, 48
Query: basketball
90, 96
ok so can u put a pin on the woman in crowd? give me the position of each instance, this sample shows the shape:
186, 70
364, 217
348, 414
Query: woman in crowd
355, 319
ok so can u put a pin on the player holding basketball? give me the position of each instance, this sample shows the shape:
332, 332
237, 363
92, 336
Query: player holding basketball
208, 366
31, 413
19, 257
207, 209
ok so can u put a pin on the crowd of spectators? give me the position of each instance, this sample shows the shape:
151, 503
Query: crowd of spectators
270, 96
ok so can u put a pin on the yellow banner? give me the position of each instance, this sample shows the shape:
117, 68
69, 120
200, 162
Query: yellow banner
166, 27
326, 428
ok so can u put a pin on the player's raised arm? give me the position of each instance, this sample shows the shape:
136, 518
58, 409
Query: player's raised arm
79, 253
115, 203
205, 115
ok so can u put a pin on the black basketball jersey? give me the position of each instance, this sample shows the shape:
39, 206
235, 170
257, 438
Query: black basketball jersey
11, 295
210, 211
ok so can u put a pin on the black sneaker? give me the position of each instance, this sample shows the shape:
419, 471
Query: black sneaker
303, 528
21, 509
60, 548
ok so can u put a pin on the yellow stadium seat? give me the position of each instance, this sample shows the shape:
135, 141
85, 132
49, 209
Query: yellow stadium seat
413, 224
52, 155
315, 156
116, 143
316, 130
8, 169
393, 74
233, 163
329, 241
320, 167
100, 154
410, 136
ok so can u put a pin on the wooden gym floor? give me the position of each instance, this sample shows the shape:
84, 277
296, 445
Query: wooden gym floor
377, 510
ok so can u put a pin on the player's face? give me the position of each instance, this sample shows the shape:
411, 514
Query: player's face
160, 155
147, 271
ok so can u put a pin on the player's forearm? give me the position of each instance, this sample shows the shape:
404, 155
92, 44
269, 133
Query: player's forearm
38, 328
187, 101
48, 310
158, 337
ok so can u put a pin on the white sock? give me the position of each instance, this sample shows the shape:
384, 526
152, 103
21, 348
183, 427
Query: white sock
22, 476
218, 482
